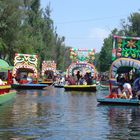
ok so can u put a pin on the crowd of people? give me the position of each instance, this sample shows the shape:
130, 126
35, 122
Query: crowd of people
79, 79
127, 88
23, 79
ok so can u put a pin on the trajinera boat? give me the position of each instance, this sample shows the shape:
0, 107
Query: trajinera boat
126, 56
5, 82
81, 74
48, 72
25, 73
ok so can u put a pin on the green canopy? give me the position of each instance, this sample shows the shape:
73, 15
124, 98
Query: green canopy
4, 66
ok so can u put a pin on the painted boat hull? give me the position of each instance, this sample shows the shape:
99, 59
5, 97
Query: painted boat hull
80, 87
29, 86
59, 86
118, 101
7, 96
46, 82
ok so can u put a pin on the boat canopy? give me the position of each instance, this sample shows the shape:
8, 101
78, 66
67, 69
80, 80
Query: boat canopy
122, 65
83, 67
4, 66
48, 66
25, 62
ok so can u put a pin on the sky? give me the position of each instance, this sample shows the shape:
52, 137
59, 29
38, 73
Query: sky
86, 23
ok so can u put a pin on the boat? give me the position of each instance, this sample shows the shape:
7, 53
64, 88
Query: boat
58, 85
82, 67
125, 56
118, 101
29, 86
6, 94
80, 87
48, 72
25, 73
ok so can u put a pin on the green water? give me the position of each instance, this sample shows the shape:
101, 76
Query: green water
54, 114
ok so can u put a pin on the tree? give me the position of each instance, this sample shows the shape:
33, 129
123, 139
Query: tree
133, 24
10, 17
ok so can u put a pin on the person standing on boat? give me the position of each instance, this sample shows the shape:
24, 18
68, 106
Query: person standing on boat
78, 77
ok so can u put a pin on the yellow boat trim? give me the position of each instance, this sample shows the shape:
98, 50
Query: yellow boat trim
5, 86
79, 86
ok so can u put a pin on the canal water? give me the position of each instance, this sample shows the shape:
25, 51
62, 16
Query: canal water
54, 114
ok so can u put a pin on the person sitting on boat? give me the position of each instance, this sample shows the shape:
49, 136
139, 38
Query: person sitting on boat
62, 81
23, 80
136, 88
15, 81
88, 79
81, 81
1, 82
70, 80
120, 93
29, 79
136, 84
113, 94
127, 89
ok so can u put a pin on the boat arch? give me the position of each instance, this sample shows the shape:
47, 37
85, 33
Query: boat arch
25, 63
126, 63
84, 67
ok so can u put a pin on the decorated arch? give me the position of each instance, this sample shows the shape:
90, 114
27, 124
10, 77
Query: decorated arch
123, 64
126, 47
82, 55
83, 67
49, 66
25, 63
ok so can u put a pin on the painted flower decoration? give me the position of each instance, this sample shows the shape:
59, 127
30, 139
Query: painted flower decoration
119, 41
131, 44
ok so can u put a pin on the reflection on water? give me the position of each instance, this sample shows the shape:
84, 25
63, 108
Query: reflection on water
54, 114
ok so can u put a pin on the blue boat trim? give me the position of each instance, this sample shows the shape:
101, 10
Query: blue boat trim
118, 101
29, 86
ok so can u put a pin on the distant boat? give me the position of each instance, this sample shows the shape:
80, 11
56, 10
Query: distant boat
82, 69
58, 85
29, 86
80, 87
48, 72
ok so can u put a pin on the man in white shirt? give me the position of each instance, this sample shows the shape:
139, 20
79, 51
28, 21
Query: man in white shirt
127, 89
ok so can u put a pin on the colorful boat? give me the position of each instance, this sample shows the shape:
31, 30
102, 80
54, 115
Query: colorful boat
80, 87
58, 86
25, 72
48, 72
29, 86
119, 101
126, 62
82, 63
5, 93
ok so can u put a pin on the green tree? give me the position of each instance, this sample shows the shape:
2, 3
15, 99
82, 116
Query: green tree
10, 17
131, 26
